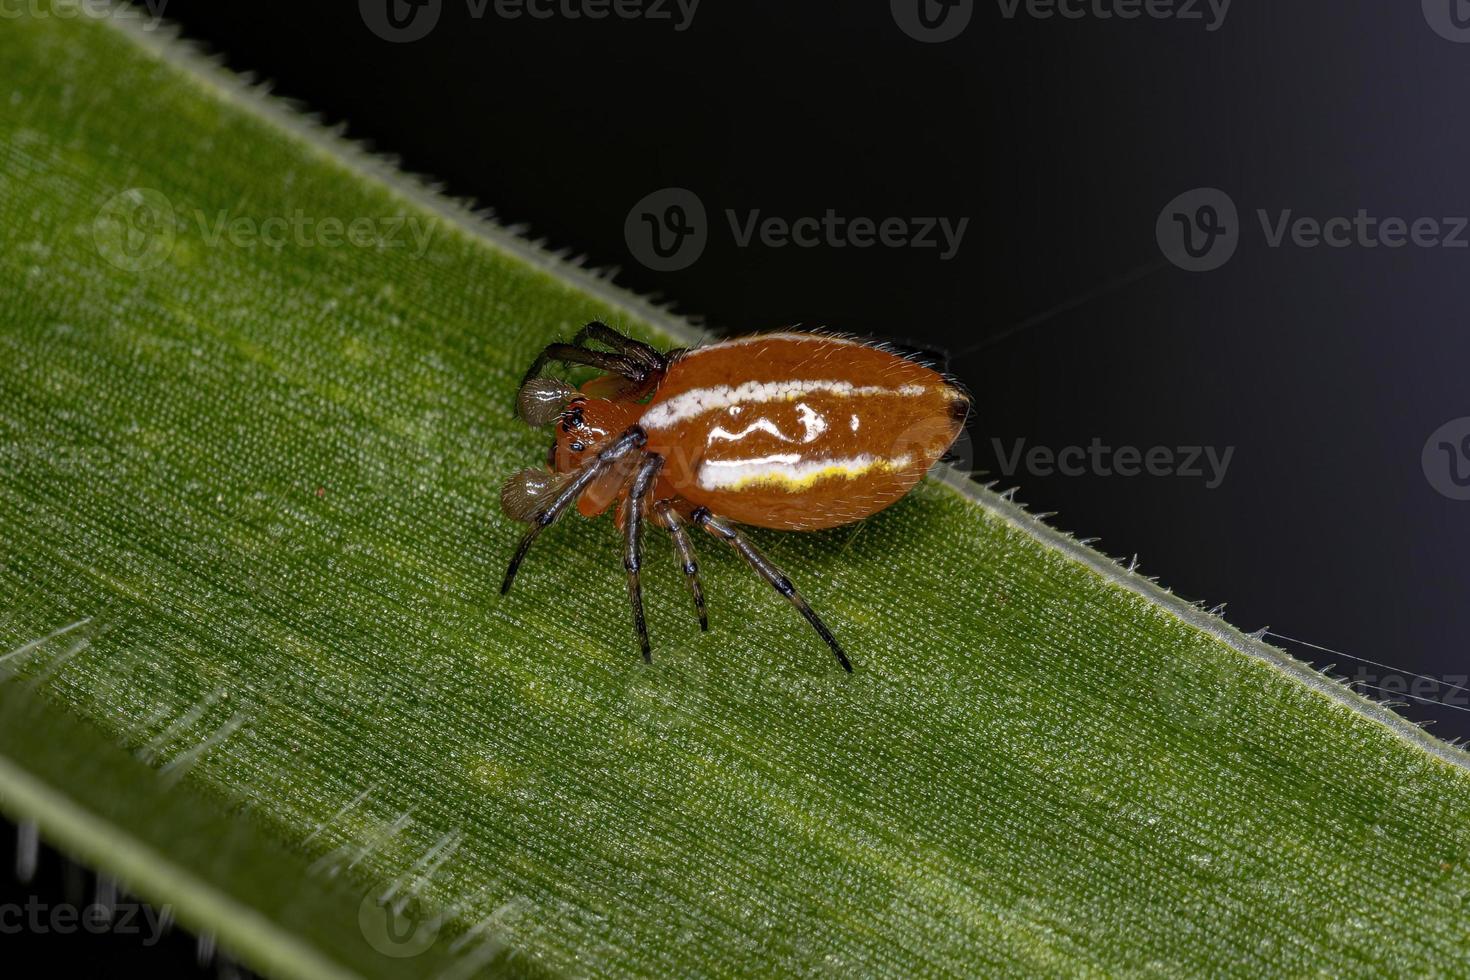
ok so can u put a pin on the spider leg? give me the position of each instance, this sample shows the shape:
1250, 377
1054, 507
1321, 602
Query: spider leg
629, 441
637, 350
602, 360
666, 516
633, 509
726, 532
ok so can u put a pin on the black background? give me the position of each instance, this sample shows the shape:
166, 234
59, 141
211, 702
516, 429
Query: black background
1061, 140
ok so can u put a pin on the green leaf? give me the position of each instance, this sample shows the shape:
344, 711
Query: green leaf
255, 661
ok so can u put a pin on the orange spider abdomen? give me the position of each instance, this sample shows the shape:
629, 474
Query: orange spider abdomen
798, 431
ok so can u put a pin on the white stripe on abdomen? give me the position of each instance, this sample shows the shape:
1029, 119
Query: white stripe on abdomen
697, 401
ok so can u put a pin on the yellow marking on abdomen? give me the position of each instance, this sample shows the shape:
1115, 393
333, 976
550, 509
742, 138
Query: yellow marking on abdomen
789, 471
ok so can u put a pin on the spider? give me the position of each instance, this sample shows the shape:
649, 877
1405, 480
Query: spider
791, 431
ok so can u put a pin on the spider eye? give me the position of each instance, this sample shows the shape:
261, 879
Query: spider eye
543, 400
576, 446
